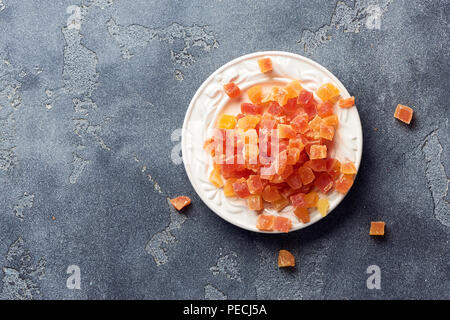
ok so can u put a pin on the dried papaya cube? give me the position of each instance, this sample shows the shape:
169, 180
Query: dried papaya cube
248, 122
277, 178
232, 90
318, 151
344, 183
311, 109
285, 131
322, 206
294, 181
255, 94
403, 113
296, 143
315, 123
282, 224
306, 174
311, 199
300, 123
180, 202
288, 170
226, 121
255, 202
215, 178
326, 132
347, 103
285, 259
332, 120
304, 97
271, 193
306, 188
327, 92
302, 214
325, 109
275, 109
279, 204
240, 188
298, 200
312, 135
293, 89
250, 108
333, 168
293, 155
268, 124
277, 94
317, 165
254, 184
377, 228
265, 65
228, 188
324, 182
348, 168
265, 222
209, 146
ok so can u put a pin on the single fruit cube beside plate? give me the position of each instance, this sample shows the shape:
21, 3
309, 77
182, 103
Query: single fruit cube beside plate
403, 113
265, 222
232, 90
377, 228
265, 65
180, 202
282, 224
347, 103
285, 259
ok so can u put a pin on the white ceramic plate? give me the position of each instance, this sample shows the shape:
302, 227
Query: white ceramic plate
210, 99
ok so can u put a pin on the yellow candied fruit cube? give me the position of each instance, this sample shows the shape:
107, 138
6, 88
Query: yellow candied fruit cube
216, 179
328, 92
248, 122
323, 205
228, 188
255, 94
314, 124
226, 121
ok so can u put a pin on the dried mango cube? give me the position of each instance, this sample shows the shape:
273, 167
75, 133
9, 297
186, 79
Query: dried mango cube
302, 214
377, 228
271, 194
403, 113
311, 199
327, 92
348, 168
248, 122
324, 182
325, 109
282, 224
279, 204
255, 202
240, 188
232, 90
285, 259
318, 151
265, 222
332, 120
254, 184
180, 202
326, 132
265, 65
322, 206
215, 178
347, 103
228, 188
344, 183
255, 94
306, 174
250, 108
293, 89
226, 121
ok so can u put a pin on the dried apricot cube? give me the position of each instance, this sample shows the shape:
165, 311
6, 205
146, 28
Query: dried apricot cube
302, 214
285, 259
271, 194
180, 202
250, 108
325, 109
326, 132
324, 182
265, 222
317, 151
322, 206
377, 228
347, 103
232, 90
226, 121
282, 224
285, 131
311, 199
327, 91
215, 178
255, 202
248, 122
254, 184
228, 188
403, 113
348, 168
240, 188
255, 94
265, 65
306, 174
344, 183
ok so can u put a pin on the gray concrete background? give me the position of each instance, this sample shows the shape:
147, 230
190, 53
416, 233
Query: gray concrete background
86, 117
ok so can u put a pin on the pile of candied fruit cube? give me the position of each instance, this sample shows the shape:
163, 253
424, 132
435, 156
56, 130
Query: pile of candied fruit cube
276, 151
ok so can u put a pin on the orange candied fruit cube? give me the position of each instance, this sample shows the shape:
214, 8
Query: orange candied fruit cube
347, 103
302, 214
328, 91
285, 131
248, 122
322, 206
403, 113
254, 184
265, 65
215, 178
326, 132
180, 202
255, 202
348, 168
271, 193
255, 94
333, 168
344, 183
332, 120
240, 187
306, 174
277, 94
232, 90
300, 123
279, 204
265, 222
228, 188
293, 89
226, 121
282, 224
315, 123
285, 259
377, 228
311, 199
325, 109
318, 151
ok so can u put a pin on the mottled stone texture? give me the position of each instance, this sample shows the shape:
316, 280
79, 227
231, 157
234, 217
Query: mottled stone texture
90, 108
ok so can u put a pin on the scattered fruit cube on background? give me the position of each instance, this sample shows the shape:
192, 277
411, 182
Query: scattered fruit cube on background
403, 113
180, 202
285, 259
377, 228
